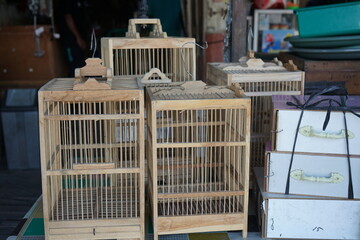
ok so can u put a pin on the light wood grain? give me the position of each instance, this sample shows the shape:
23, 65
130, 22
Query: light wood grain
198, 164
191, 224
92, 159
134, 55
259, 83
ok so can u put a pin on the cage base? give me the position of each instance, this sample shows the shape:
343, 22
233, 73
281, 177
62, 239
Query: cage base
203, 223
96, 229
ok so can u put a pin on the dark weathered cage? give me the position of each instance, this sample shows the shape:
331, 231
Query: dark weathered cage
198, 151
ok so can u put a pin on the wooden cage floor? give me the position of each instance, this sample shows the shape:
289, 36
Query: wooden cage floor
199, 206
92, 203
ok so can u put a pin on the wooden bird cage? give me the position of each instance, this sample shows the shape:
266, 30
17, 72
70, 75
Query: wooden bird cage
92, 156
259, 81
135, 55
198, 155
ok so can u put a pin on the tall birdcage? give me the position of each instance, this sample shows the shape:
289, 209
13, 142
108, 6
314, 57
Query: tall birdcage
135, 55
92, 156
198, 152
259, 81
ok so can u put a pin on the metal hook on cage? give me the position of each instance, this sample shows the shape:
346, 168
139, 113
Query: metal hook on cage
269, 176
250, 36
93, 43
277, 131
183, 58
34, 7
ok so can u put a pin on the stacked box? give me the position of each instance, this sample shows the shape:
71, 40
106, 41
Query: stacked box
310, 173
260, 82
134, 55
198, 152
92, 157
304, 217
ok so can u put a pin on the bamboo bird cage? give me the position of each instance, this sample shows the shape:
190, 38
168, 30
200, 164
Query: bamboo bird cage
198, 152
135, 55
259, 81
92, 156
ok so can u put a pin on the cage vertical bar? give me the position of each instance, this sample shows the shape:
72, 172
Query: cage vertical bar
92, 160
198, 149
259, 83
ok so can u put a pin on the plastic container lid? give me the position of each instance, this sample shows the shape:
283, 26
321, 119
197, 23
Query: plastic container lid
329, 20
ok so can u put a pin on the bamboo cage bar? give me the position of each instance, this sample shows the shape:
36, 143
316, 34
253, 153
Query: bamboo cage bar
92, 159
135, 56
198, 156
259, 81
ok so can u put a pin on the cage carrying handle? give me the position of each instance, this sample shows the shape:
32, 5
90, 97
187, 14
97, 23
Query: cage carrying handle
93, 68
157, 30
151, 73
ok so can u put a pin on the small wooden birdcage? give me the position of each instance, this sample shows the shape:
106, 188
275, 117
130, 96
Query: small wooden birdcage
92, 156
135, 55
259, 81
198, 152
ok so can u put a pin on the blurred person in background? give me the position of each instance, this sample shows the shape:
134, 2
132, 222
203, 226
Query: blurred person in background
73, 18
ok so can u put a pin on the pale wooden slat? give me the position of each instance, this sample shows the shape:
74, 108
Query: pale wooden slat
201, 194
93, 166
198, 158
92, 156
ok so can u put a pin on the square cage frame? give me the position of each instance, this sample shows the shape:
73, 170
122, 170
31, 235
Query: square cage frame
92, 158
135, 55
198, 152
260, 87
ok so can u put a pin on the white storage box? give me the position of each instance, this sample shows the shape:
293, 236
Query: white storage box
318, 175
303, 217
311, 137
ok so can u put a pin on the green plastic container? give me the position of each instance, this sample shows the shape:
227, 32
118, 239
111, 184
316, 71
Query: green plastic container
329, 20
